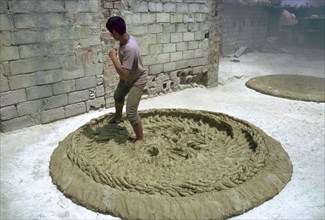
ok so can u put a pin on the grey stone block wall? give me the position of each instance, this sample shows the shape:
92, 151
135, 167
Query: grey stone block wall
243, 25
54, 61
51, 56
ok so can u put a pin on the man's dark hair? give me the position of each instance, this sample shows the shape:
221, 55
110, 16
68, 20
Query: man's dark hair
117, 24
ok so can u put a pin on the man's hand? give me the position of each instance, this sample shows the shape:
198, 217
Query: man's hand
112, 53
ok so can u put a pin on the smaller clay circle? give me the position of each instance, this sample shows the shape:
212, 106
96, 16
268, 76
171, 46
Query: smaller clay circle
297, 87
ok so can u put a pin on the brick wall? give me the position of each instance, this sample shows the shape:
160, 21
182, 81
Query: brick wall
54, 62
243, 25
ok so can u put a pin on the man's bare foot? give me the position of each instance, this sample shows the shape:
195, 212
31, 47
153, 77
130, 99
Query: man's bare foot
115, 120
138, 142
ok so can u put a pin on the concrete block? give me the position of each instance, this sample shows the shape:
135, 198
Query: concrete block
144, 50
155, 28
8, 112
194, 1
64, 87
204, 60
134, 18
47, 77
163, 17
198, 35
193, 8
16, 123
200, 17
176, 18
59, 34
38, 92
23, 6
182, 46
188, 54
182, 64
54, 20
163, 58
192, 27
169, 66
52, 6
147, 18
94, 69
169, 48
140, 30
72, 5
188, 36
181, 27
163, 38
169, 7
205, 9
3, 7
155, 6
9, 53
73, 73
176, 37
155, 49
176, 56
169, 28
6, 22
149, 60
140, 6
55, 101
188, 18
75, 109
31, 50
192, 45
155, 69
12, 97
4, 83
25, 21
95, 103
29, 107
5, 38
182, 8
25, 66
21, 81
52, 115
199, 53
85, 83
51, 63
149, 39
78, 96
25, 37
100, 91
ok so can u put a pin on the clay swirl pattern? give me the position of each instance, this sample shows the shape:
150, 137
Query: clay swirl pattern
201, 162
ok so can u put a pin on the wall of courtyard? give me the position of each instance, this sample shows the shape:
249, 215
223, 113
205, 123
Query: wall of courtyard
243, 25
54, 62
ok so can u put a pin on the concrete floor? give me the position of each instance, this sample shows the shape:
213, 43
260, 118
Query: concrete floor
28, 193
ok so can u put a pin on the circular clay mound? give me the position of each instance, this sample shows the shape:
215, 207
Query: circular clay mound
297, 87
192, 165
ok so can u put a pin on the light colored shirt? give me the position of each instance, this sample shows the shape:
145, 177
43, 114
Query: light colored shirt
130, 58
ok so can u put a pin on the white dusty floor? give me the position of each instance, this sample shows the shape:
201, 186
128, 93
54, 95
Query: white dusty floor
28, 193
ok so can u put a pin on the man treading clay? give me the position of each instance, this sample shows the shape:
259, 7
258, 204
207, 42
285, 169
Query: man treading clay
133, 76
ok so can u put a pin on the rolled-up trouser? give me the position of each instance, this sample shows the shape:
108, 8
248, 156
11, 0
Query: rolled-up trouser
132, 103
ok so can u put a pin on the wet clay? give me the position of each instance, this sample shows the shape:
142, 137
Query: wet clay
192, 165
297, 87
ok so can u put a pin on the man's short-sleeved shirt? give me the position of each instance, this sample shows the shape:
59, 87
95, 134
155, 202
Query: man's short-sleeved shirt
130, 58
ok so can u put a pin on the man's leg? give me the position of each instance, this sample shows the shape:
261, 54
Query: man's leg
138, 133
132, 105
118, 112
119, 95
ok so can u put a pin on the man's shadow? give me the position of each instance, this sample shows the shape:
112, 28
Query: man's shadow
107, 132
